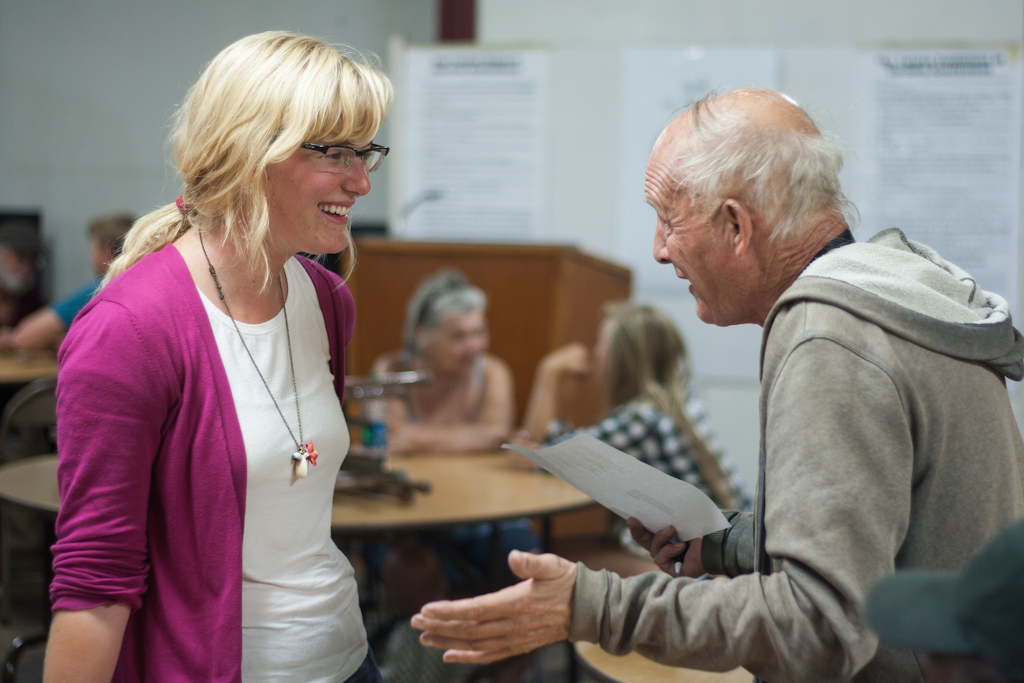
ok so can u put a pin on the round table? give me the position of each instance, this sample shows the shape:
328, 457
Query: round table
466, 489
634, 668
31, 483
22, 367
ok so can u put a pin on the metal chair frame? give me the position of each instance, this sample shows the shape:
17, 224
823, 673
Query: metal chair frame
15, 652
32, 411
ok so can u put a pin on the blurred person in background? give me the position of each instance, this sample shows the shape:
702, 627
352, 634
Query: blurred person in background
19, 272
968, 625
650, 412
45, 328
469, 404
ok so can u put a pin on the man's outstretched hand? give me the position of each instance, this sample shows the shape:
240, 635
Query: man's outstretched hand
531, 614
668, 555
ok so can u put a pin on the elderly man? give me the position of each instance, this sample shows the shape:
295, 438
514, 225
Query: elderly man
887, 438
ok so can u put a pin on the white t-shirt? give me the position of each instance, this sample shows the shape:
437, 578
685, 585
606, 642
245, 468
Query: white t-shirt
300, 606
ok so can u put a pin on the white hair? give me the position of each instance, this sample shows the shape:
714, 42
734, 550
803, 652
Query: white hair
448, 293
786, 175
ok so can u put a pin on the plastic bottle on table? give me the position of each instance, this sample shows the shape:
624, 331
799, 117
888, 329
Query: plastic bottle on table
375, 425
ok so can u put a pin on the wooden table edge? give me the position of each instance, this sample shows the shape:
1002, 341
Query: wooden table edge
433, 524
580, 654
42, 509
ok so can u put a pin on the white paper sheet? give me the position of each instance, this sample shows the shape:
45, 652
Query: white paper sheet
940, 146
475, 137
629, 487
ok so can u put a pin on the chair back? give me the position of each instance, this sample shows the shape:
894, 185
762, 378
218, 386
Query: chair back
29, 422
24, 660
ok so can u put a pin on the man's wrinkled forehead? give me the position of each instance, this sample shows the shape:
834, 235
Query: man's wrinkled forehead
660, 183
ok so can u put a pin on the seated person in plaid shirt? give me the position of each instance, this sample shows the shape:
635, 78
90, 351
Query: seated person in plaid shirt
651, 414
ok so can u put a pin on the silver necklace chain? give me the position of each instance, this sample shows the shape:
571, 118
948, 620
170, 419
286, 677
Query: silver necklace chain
284, 307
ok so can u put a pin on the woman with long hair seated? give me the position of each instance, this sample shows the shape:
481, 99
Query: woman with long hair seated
650, 412
199, 405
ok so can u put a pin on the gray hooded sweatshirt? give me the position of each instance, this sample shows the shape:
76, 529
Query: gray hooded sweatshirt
887, 442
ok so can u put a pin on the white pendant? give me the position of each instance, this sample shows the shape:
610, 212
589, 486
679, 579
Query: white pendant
301, 465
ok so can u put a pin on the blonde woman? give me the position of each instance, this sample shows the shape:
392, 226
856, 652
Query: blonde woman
651, 413
200, 425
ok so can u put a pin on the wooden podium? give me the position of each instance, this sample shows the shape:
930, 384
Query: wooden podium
539, 298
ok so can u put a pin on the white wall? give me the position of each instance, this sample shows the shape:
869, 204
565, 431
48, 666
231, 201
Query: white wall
87, 90
817, 42
603, 23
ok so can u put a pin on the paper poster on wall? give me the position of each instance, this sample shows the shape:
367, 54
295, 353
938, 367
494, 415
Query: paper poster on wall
475, 143
940, 149
657, 84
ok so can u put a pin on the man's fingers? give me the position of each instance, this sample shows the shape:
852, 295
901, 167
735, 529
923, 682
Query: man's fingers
665, 535
446, 643
481, 608
661, 539
466, 630
500, 643
671, 551
639, 533
516, 619
474, 657
492, 648
541, 567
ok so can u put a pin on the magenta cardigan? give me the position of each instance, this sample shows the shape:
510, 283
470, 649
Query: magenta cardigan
152, 470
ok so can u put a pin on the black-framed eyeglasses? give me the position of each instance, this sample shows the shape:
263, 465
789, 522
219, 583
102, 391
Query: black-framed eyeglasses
339, 158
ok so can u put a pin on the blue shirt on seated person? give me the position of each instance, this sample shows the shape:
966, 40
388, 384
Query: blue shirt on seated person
68, 307
46, 327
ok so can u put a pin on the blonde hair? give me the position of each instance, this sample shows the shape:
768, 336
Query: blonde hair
647, 362
254, 105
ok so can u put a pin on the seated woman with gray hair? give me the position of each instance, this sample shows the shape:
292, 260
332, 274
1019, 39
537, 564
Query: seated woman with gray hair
469, 404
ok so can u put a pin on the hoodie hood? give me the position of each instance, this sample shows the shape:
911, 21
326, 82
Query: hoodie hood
906, 288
